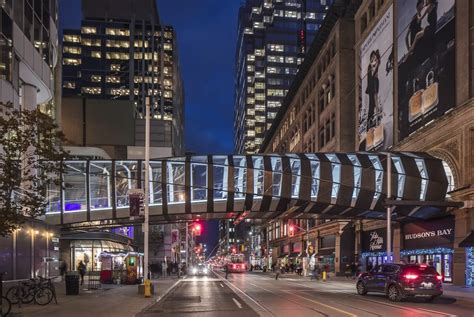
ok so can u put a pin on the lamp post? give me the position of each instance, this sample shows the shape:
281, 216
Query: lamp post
389, 207
146, 224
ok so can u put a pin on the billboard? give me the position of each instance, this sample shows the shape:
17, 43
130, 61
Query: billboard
425, 53
375, 130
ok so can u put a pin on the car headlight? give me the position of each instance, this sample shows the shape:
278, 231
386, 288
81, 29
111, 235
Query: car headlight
205, 271
195, 270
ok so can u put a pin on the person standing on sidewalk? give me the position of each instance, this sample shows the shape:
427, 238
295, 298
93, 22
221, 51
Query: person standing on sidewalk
164, 269
81, 267
278, 272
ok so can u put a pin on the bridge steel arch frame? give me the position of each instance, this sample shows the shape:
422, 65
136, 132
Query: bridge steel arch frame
331, 185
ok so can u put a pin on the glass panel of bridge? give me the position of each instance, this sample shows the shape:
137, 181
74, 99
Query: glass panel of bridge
100, 185
176, 181
75, 189
154, 177
295, 177
240, 177
220, 175
357, 177
156, 189
420, 163
378, 176
198, 182
53, 196
401, 176
126, 175
276, 175
258, 173
315, 177
336, 176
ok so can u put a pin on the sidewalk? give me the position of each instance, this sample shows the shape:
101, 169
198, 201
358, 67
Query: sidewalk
110, 300
449, 289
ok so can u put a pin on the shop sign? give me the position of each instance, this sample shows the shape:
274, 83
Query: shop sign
429, 234
374, 240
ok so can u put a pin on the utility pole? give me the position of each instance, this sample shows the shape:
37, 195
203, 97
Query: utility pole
146, 225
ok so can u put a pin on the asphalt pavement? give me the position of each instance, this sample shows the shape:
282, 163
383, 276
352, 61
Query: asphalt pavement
254, 294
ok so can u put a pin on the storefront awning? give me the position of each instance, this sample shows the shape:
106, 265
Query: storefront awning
282, 255
323, 252
468, 241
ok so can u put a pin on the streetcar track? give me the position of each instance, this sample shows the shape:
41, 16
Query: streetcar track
292, 301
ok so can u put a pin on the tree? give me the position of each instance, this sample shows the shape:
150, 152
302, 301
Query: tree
30, 162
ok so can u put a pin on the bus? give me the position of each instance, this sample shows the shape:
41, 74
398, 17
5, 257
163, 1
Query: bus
235, 263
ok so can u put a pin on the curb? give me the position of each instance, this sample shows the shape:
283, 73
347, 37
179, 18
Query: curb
158, 299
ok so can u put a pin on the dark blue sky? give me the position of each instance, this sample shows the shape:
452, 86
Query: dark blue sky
206, 31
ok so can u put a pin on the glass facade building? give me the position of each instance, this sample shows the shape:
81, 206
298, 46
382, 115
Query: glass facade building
273, 37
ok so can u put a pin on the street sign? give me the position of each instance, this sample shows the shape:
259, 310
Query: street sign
136, 201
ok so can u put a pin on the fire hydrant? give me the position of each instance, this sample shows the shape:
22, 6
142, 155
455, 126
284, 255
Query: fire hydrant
147, 286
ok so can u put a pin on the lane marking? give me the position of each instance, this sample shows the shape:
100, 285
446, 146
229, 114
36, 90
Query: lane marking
250, 298
237, 303
325, 305
411, 309
221, 285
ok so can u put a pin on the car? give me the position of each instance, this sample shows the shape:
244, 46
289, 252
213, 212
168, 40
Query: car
199, 269
400, 280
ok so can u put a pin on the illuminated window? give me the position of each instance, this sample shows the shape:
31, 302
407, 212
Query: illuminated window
117, 32
88, 30
112, 79
96, 54
72, 38
168, 35
276, 92
168, 47
168, 94
140, 43
91, 42
275, 59
117, 44
72, 61
96, 78
72, 50
291, 14
259, 85
117, 55
250, 58
115, 67
69, 85
119, 91
91, 90
259, 52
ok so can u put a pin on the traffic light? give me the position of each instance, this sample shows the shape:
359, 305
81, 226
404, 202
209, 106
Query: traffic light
197, 228
291, 231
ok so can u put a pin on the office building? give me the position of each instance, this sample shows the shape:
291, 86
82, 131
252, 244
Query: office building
273, 37
123, 55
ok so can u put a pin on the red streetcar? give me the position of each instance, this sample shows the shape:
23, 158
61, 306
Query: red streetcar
235, 263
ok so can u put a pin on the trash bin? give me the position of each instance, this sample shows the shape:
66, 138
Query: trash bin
72, 284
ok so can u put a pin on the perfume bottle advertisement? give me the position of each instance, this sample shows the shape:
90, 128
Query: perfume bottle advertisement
425, 50
375, 128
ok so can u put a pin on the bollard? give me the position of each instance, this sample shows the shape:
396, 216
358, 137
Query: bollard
147, 286
324, 276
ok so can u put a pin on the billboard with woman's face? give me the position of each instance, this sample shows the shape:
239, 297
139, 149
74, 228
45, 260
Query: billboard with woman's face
426, 52
375, 129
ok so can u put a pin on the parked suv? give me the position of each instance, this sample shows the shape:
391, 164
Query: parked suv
398, 281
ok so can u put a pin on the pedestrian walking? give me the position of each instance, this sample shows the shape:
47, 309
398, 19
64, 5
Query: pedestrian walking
353, 269
164, 269
370, 266
81, 267
347, 271
226, 270
278, 272
62, 268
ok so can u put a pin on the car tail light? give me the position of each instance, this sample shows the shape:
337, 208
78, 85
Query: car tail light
439, 278
410, 277
234, 266
243, 266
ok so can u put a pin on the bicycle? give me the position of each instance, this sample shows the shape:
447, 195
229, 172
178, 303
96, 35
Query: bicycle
5, 305
45, 293
24, 292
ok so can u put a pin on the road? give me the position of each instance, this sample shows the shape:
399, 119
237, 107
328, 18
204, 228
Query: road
253, 294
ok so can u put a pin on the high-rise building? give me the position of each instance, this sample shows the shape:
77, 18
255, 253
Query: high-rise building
273, 36
123, 53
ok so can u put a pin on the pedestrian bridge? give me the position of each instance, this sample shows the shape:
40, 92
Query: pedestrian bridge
331, 185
